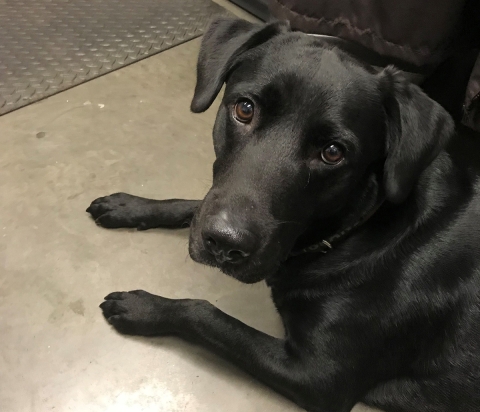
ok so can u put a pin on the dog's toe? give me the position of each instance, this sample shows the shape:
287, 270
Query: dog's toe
116, 296
98, 207
99, 200
108, 221
92, 209
140, 292
105, 204
112, 308
114, 320
124, 325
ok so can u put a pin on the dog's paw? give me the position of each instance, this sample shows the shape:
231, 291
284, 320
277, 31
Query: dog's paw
138, 313
122, 210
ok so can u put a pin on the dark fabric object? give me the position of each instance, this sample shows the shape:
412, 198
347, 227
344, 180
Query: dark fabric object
447, 84
435, 36
472, 99
417, 31
258, 8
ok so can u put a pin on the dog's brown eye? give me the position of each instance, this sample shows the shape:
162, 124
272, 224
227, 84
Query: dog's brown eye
332, 154
244, 111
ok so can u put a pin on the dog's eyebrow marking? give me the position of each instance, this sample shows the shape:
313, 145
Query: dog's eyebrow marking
272, 89
322, 131
272, 94
245, 88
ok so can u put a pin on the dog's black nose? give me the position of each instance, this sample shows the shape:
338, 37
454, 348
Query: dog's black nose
226, 242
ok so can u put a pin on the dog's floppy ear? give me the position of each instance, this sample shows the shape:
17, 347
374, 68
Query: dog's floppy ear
224, 41
418, 128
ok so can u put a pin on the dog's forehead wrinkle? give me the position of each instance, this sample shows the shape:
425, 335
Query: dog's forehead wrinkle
311, 92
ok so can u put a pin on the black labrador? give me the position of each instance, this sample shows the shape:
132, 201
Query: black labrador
331, 184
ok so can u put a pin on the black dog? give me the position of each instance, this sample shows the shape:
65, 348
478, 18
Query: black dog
331, 183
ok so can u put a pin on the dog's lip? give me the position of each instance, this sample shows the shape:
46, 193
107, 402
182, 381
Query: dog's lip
241, 275
210, 260
222, 259
236, 271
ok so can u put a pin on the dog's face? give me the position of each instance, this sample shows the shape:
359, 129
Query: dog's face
298, 130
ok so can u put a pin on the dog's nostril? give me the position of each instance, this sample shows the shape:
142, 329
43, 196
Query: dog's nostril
210, 241
237, 254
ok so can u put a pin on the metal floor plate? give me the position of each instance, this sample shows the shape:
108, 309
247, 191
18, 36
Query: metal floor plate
47, 46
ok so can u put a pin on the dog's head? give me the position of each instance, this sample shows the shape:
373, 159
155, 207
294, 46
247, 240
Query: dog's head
299, 129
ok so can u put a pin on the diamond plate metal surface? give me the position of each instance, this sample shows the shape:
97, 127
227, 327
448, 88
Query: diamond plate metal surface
47, 46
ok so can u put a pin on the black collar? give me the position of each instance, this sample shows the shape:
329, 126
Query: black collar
358, 220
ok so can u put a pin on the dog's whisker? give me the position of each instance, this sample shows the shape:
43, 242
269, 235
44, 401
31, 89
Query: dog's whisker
308, 180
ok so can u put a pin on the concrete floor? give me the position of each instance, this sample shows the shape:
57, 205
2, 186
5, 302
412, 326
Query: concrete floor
128, 131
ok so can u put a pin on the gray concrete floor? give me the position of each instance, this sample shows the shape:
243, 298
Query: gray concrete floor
128, 131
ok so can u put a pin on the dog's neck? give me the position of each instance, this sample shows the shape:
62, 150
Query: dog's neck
439, 177
370, 200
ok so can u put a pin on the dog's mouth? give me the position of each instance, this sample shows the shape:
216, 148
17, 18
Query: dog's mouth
253, 270
244, 273
260, 264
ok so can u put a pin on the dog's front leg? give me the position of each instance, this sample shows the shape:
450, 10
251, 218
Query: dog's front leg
268, 359
124, 210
